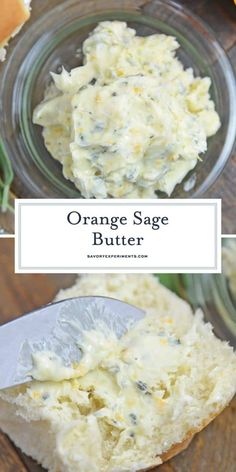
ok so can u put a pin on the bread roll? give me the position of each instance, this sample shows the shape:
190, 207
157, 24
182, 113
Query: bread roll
14, 13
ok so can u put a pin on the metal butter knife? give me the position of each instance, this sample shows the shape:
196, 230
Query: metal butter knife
59, 327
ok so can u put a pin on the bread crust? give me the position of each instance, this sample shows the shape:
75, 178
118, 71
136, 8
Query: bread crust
180, 447
13, 14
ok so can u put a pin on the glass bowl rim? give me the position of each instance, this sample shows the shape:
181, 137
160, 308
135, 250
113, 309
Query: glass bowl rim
222, 59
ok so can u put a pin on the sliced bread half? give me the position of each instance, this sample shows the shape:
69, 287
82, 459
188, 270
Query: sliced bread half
14, 13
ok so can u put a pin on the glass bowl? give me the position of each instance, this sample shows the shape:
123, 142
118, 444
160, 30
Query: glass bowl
211, 292
53, 40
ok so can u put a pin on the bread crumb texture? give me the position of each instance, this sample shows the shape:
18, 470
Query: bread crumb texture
119, 416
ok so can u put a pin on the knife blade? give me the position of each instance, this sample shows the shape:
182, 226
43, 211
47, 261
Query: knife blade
58, 327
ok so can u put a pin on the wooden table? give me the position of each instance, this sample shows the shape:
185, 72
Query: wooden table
221, 16
212, 450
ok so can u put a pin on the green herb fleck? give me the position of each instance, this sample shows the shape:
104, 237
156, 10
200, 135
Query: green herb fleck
143, 387
133, 418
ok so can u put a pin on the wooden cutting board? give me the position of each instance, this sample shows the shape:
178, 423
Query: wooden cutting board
212, 450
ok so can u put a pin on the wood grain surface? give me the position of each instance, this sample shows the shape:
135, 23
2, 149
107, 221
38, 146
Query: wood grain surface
220, 15
212, 450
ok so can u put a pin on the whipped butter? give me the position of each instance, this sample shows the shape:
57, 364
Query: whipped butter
131, 121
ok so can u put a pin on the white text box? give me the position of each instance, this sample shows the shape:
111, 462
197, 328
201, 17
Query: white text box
118, 235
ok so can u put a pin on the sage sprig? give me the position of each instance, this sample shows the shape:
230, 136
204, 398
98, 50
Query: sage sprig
6, 178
